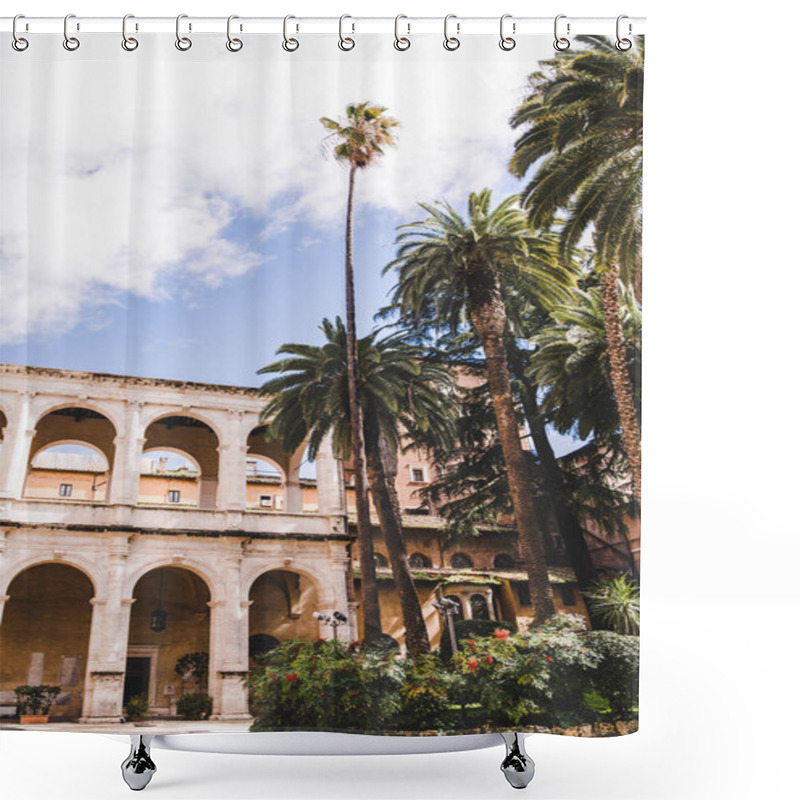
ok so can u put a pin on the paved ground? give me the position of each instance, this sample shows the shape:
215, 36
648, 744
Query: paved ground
162, 726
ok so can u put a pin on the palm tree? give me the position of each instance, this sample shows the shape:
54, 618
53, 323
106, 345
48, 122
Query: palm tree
583, 134
361, 138
451, 272
402, 398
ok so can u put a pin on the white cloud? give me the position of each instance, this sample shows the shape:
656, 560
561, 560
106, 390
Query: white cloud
120, 171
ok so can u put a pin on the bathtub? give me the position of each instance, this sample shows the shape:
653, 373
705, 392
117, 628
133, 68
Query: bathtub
139, 767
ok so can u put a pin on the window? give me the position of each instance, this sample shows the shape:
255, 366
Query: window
266, 501
65, 490
419, 561
380, 560
557, 542
504, 561
173, 496
419, 475
480, 608
461, 561
567, 594
523, 593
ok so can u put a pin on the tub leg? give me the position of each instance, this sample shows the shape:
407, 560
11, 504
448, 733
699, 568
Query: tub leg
138, 768
517, 766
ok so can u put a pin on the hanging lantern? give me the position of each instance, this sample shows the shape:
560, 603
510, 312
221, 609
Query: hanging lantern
158, 620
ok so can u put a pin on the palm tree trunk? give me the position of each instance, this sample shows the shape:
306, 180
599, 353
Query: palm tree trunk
568, 525
382, 472
369, 581
620, 379
488, 316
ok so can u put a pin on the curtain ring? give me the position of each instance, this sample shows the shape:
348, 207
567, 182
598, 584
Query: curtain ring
129, 43
183, 43
623, 44
345, 42
451, 42
507, 42
561, 42
70, 42
18, 42
401, 42
234, 45
289, 44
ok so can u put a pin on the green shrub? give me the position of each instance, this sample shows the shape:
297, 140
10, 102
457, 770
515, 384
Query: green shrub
136, 708
325, 685
194, 706
36, 700
193, 665
617, 674
424, 702
471, 629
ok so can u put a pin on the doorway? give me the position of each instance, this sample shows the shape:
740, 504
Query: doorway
137, 678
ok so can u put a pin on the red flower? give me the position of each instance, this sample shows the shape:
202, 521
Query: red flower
489, 660
549, 659
470, 641
501, 633
432, 679
292, 677
473, 664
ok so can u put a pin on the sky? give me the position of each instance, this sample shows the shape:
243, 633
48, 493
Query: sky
178, 215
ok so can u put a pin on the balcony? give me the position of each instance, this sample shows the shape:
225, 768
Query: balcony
81, 515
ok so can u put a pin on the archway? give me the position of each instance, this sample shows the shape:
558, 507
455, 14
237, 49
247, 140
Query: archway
169, 619
265, 484
194, 439
169, 476
44, 638
282, 606
71, 456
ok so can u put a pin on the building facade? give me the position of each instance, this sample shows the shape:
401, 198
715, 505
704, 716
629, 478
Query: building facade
115, 563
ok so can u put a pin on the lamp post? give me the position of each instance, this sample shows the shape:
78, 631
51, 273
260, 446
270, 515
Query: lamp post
334, 620
448, 609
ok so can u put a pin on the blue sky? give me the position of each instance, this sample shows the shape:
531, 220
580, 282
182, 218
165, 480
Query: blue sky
189, 231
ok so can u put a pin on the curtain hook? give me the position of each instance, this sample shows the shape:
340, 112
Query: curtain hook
623, 44
561, 42
183, 43
234, 45
129, 43
401, 42
289, 44
451, 42
346, 42
70, 42
18, 42
507, 42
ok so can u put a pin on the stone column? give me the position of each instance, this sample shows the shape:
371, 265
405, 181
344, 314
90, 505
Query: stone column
330, 483
293, 493
127, 466
233, 464
228, 651
467, 605
108, 644
490, 604
15, 452
4, 598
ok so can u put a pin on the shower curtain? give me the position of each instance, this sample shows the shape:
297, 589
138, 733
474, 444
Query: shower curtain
320, 381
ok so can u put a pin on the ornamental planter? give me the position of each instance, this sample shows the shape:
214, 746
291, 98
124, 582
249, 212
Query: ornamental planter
33, 719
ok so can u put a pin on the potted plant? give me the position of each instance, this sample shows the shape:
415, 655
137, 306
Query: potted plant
34, 703
136, 708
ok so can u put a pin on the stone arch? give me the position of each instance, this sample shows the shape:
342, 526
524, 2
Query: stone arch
44, 636
74, 424
210, 579
170, 618
261, 484
193, 436
69, 560
158, 487
282, 603
109, 410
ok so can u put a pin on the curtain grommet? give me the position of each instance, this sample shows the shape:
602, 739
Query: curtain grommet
233, 44
71, 43
289, 44
19, 43
451, 43
561, 42
401, 43
129, 43
507, 43
623, 43
183, 43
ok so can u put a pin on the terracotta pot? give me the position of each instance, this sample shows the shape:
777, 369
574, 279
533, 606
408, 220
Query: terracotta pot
33, 719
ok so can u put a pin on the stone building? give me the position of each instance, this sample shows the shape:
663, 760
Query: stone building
115, 562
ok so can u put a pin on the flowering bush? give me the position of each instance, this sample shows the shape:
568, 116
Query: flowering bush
325, 685
424, 697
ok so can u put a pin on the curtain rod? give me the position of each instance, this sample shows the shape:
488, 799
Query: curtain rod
461, 26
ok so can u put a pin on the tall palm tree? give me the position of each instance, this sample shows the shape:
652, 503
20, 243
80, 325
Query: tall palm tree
582, 137
451, 272
403, 398
361, 138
